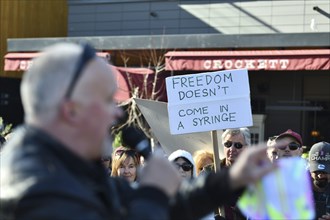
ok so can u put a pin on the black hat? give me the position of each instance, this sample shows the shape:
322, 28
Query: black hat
319, 157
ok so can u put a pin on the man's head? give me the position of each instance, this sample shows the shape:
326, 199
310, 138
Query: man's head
291, 144
319, 164
68, 92
234, 142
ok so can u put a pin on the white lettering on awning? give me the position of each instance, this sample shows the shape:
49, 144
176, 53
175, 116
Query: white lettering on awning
251, 64
25, 64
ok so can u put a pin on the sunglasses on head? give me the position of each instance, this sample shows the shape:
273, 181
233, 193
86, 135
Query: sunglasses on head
87, 54
237, 145
292, 146
185, 167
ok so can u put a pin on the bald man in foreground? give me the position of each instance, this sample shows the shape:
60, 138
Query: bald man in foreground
51, 167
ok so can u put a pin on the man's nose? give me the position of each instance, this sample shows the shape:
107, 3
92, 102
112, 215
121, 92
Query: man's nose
232, 147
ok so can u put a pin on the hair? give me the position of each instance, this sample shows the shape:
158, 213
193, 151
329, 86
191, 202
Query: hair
118, 160
271, 141
233, 132
199, 157
45, 83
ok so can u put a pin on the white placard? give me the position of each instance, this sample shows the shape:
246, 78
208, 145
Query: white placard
156, 112
209, 101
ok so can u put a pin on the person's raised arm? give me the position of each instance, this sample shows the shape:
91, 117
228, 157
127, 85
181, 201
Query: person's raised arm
158, 183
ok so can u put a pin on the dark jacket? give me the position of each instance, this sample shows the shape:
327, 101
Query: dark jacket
322, 202
232, 212
41, 179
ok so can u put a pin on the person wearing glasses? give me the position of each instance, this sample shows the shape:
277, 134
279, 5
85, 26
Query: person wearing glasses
234, 141
125, 163
291, 144
68, 96
184, 162
51, 169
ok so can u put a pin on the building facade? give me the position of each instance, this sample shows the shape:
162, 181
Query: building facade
268, 33
25, 19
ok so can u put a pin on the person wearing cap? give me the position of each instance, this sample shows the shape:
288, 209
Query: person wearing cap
291, 144
319, 167
184, 162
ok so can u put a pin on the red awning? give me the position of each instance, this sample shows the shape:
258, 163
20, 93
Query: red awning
22, 62
309, 59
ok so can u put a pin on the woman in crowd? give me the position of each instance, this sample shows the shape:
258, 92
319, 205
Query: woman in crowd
183, 160
203, 160
125, 163
205, 164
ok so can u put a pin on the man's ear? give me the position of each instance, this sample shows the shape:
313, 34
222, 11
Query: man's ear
68, 111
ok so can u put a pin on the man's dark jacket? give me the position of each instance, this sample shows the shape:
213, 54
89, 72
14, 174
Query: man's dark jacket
232, 211
41, 179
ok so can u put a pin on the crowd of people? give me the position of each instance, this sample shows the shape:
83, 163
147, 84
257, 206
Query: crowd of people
58, 166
